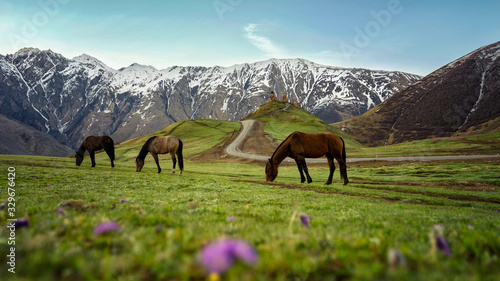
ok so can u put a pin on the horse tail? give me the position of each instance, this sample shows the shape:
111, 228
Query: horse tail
179, 155
343, 167
343, 150
112, 149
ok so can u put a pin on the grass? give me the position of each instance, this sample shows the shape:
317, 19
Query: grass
167, 219
486, 144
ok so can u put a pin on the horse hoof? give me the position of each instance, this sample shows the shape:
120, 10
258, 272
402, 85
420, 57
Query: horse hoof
328, 183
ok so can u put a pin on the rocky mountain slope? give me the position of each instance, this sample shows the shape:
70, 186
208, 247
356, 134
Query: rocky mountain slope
462, 95
17, 138
72, 98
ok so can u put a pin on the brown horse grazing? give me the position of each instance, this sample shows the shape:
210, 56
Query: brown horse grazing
161, 145
299, 146
94, 143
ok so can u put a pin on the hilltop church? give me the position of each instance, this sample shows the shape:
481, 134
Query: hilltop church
273, 97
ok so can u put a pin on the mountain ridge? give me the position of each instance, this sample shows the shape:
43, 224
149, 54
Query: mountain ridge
72, 98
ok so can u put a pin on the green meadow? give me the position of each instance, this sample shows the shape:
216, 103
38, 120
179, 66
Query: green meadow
165, 220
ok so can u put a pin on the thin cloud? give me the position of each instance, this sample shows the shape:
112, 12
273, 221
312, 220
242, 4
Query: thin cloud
262, 43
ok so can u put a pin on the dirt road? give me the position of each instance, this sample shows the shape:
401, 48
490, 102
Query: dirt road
234, 150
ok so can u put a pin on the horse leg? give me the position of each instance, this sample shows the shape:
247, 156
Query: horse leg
303, 166
309, 180
343, 170
110, 155
174, 161
155, 156
299, 166
332, 169
92, 156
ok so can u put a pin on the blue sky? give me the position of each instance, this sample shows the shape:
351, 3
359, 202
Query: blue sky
407, 35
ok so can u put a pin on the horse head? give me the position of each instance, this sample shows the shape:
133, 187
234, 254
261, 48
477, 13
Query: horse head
271, 171
79, 158
139, 164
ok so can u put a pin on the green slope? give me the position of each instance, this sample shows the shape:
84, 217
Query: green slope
197, 135
283, 119
203, 134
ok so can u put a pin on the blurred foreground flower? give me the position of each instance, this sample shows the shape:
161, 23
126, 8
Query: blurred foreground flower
123, 200
61, 212
438, 242
106, 227
159, 228
305, 219
395, 259
219, 256
21, 223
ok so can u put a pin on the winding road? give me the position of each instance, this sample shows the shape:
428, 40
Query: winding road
233, 149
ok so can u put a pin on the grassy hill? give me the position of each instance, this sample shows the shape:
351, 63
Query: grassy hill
197, 135
282, 119
203, 135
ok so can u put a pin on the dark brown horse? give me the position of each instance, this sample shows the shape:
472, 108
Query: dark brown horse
161, 145
299, 146
94, 143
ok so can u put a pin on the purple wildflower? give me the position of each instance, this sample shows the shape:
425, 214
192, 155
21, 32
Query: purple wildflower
159, 228
218, 257
439, 241
21, 223
61, 212
396, 259
443, 245
123, 200
305, 219
106, 227
231, 218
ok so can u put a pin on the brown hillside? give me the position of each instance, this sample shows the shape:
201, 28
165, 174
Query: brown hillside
458, 97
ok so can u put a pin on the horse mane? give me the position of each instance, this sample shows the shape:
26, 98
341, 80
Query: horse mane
81, 150
145, 148
272, 157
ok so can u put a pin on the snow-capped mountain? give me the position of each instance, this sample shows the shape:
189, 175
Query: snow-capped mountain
72, 98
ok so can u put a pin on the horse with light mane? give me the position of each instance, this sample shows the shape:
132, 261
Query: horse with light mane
161, 145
